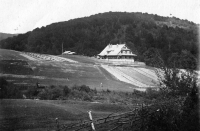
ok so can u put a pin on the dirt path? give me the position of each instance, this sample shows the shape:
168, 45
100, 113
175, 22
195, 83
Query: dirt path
104, 73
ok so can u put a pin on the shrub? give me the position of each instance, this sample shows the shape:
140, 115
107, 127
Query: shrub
152, 94
32, 92
82, 88
108, 91
138, 93
3, 88
44, 94
55, 93
190, 112
13, 92
95, 91
66, 90
8, 90
85, 88
52, 86
161, 116
86, 97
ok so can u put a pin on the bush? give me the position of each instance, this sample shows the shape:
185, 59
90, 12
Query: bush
108, 91
44, 94
32, 92
13, 92
190, 112
82, 88
138, 93
152, 94
85, 88
3, 88
8, 90
86, 97
55, 93
66, 90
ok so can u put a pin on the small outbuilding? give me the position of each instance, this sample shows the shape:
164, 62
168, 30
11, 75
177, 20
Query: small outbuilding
68, 53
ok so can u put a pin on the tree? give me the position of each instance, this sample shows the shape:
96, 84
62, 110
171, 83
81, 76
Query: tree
179, 88
153, 58
3, 88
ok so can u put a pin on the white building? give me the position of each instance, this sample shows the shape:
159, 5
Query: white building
118, 52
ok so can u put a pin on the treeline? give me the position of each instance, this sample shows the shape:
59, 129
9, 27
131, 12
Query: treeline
89, 35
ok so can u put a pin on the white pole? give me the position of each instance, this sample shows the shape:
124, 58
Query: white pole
92, 124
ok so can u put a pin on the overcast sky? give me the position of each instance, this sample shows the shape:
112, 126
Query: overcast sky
20, 16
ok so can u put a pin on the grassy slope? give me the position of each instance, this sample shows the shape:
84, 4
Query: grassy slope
87, 71
10, 55
60, 73
40, 115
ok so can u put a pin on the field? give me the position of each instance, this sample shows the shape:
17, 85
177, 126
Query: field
23, 68
30, 68
41, 115
26, 69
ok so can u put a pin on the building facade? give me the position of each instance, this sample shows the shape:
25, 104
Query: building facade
118, 52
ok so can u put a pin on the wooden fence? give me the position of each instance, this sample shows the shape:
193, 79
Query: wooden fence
112, 121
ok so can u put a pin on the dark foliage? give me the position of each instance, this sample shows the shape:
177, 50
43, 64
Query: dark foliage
66, 90
89, 35
82, 88
175, 115
32, 92
163, 117
180, 89
8, 90
190, 111
3, 88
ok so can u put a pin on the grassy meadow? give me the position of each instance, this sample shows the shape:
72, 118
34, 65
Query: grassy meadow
18, 69
27, 114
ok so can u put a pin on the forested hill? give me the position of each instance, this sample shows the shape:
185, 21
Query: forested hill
6, 35
89, 35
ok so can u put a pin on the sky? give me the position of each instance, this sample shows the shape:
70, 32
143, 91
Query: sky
21, 16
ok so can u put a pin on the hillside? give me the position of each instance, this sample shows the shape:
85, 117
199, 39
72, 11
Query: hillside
23, 68
29, 68
89, 35
5, 36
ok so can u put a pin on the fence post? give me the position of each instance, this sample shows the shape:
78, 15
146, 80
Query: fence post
142, 126
57, 125
92, 124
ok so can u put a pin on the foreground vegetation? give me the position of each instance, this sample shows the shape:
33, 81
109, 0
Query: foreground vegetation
176, 108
